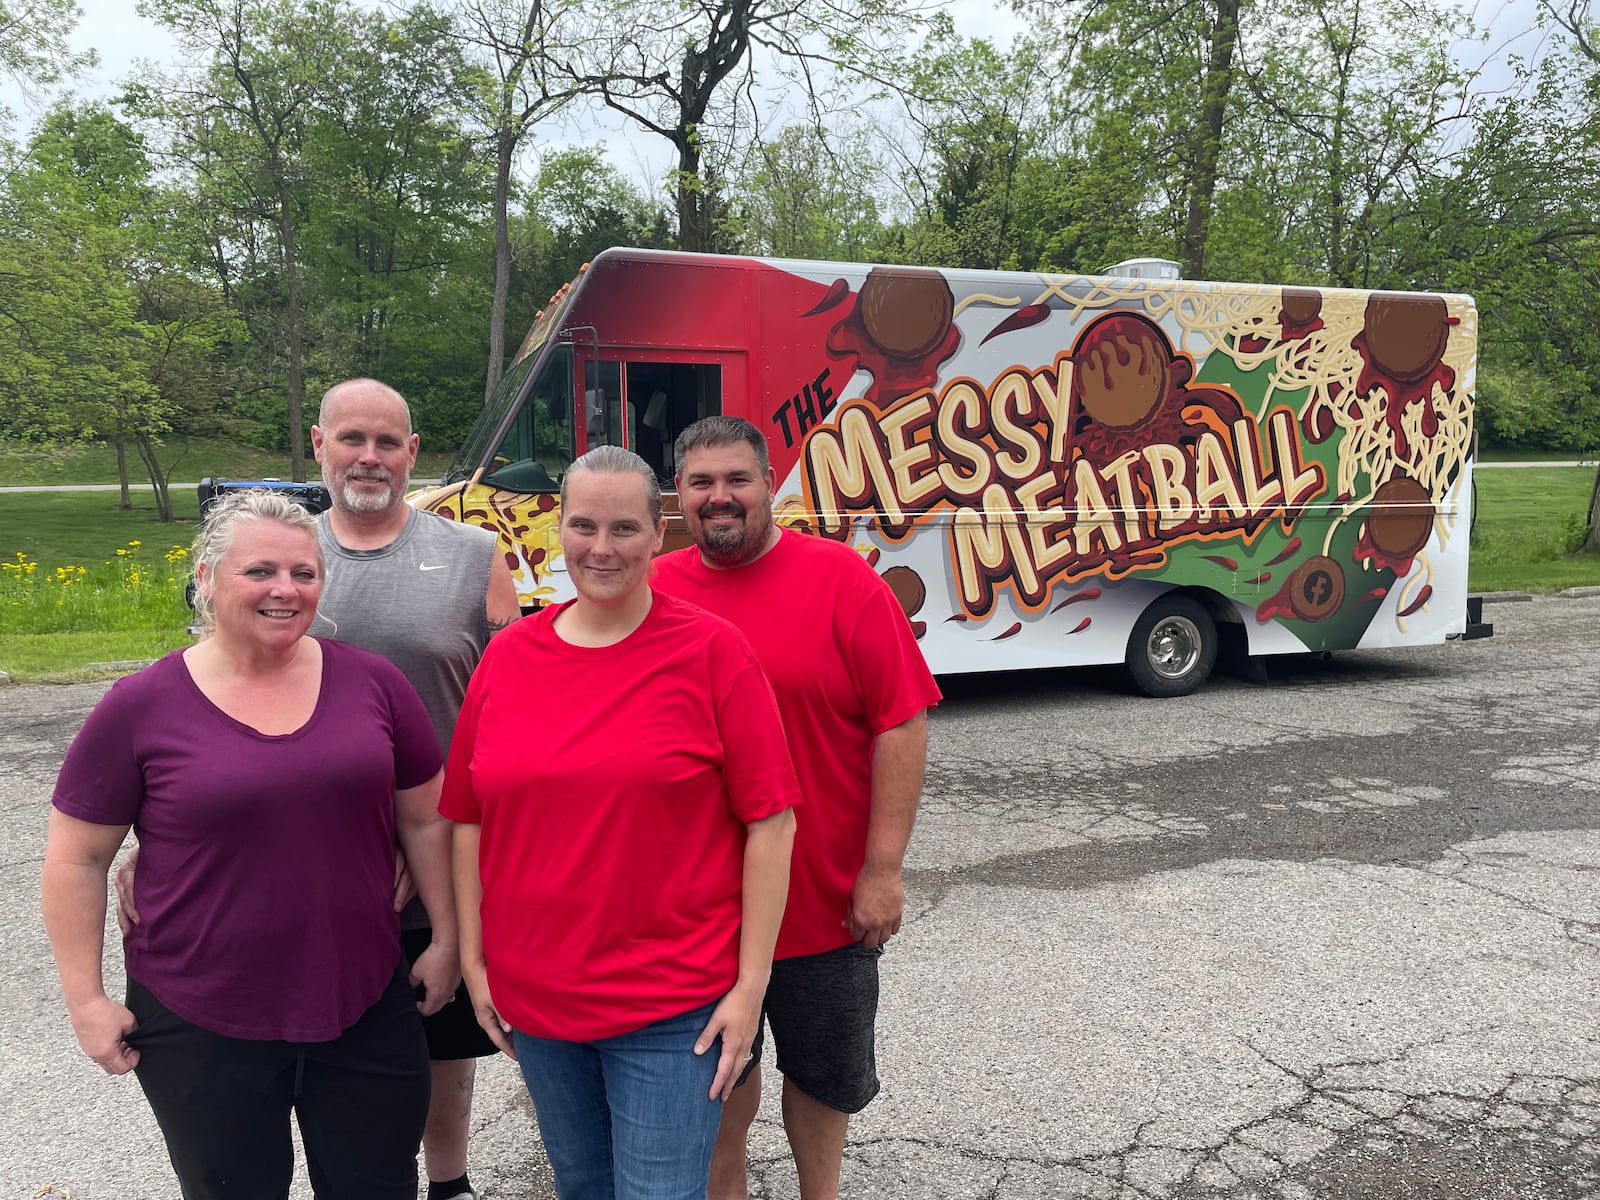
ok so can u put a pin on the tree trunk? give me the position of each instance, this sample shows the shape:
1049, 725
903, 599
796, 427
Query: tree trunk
294, 334
158, 479
502, 262
689, 194
1591, 536
1213, 112
126, 504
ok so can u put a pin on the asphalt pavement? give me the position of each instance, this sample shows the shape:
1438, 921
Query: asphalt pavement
1334, 935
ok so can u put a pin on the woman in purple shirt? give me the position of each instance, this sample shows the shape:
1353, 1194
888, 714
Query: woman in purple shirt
268, 776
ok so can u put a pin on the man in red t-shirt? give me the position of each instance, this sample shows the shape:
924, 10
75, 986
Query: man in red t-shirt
854, 693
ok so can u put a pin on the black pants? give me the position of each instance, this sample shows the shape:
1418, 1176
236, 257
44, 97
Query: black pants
223, 1103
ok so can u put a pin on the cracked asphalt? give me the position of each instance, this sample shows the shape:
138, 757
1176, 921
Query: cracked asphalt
1335, 935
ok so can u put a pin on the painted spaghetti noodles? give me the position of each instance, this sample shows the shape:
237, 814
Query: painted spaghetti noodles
1242, 324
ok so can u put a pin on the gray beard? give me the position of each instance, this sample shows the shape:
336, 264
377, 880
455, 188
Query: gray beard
349, 498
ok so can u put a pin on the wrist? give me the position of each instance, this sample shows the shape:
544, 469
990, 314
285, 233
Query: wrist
882, 864
753, 981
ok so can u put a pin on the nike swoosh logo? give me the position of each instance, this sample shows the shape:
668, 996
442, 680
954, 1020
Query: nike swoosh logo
434, 567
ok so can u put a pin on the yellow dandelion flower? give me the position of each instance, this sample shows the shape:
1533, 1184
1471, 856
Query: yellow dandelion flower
120, 553
136, 543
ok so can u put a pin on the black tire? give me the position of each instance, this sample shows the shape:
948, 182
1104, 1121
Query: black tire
1172, 648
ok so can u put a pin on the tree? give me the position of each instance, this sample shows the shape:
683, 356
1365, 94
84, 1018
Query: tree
522, 51
663, 65
1583, 27
34, 46
799, 197
261, 67
400, 192
73, 228
1372, 95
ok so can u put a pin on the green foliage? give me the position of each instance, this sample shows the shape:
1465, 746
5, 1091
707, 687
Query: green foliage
799, 196
74, 353
34, 41
135, 587
1521, 408
313, 192
579, 205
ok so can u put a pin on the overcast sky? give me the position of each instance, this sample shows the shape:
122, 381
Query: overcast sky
121, 37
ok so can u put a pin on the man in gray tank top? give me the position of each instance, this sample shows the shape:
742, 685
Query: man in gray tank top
427, 594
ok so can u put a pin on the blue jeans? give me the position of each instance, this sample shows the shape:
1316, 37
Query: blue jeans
626, 1117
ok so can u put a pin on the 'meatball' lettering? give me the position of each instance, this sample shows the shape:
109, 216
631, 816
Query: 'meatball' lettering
1024, 507
989, 545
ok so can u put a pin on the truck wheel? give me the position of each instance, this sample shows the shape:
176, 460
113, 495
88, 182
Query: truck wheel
1172, 648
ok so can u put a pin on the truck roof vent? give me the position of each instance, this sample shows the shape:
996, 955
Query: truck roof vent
1145, 268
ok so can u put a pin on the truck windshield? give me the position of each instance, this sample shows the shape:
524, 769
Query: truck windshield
554, 386
537, 446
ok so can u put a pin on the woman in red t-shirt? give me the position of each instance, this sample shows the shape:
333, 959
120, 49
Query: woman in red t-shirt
623, 793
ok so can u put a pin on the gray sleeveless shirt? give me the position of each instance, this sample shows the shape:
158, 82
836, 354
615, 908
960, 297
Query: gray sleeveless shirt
419, 602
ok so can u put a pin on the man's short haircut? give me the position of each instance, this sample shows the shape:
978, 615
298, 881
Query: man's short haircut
614, 460
328, 398
709, 432
215, 539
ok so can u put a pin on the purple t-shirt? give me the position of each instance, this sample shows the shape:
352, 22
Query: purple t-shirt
265, 883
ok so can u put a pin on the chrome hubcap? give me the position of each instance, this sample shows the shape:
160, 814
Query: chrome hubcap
1174, 647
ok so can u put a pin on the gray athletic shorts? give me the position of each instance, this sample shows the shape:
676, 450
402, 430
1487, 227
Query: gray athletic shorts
823, 1009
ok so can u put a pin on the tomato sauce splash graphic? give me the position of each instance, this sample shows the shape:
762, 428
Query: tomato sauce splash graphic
1129, 388
1402, 343
899, 328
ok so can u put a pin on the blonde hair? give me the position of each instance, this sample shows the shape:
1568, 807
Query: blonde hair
215, 539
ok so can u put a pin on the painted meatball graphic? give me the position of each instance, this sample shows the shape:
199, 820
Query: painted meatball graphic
906, 312
1122, 371
911, 592
1302, 307
1402, 520
1316, 588
1130, 388
1405, 335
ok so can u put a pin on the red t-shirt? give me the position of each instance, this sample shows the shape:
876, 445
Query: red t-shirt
845, 667
613, 785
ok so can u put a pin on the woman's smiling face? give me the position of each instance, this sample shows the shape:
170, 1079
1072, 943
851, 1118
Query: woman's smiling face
267, 585
607, 535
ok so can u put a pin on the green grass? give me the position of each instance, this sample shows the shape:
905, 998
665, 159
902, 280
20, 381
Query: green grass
1528, 518
81, 582
187, 461
86, 528
67, 657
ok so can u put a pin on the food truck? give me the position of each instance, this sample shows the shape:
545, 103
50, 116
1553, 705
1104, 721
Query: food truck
1047, 470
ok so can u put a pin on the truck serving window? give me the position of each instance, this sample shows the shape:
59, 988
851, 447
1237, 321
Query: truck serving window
646, 405
537, 448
